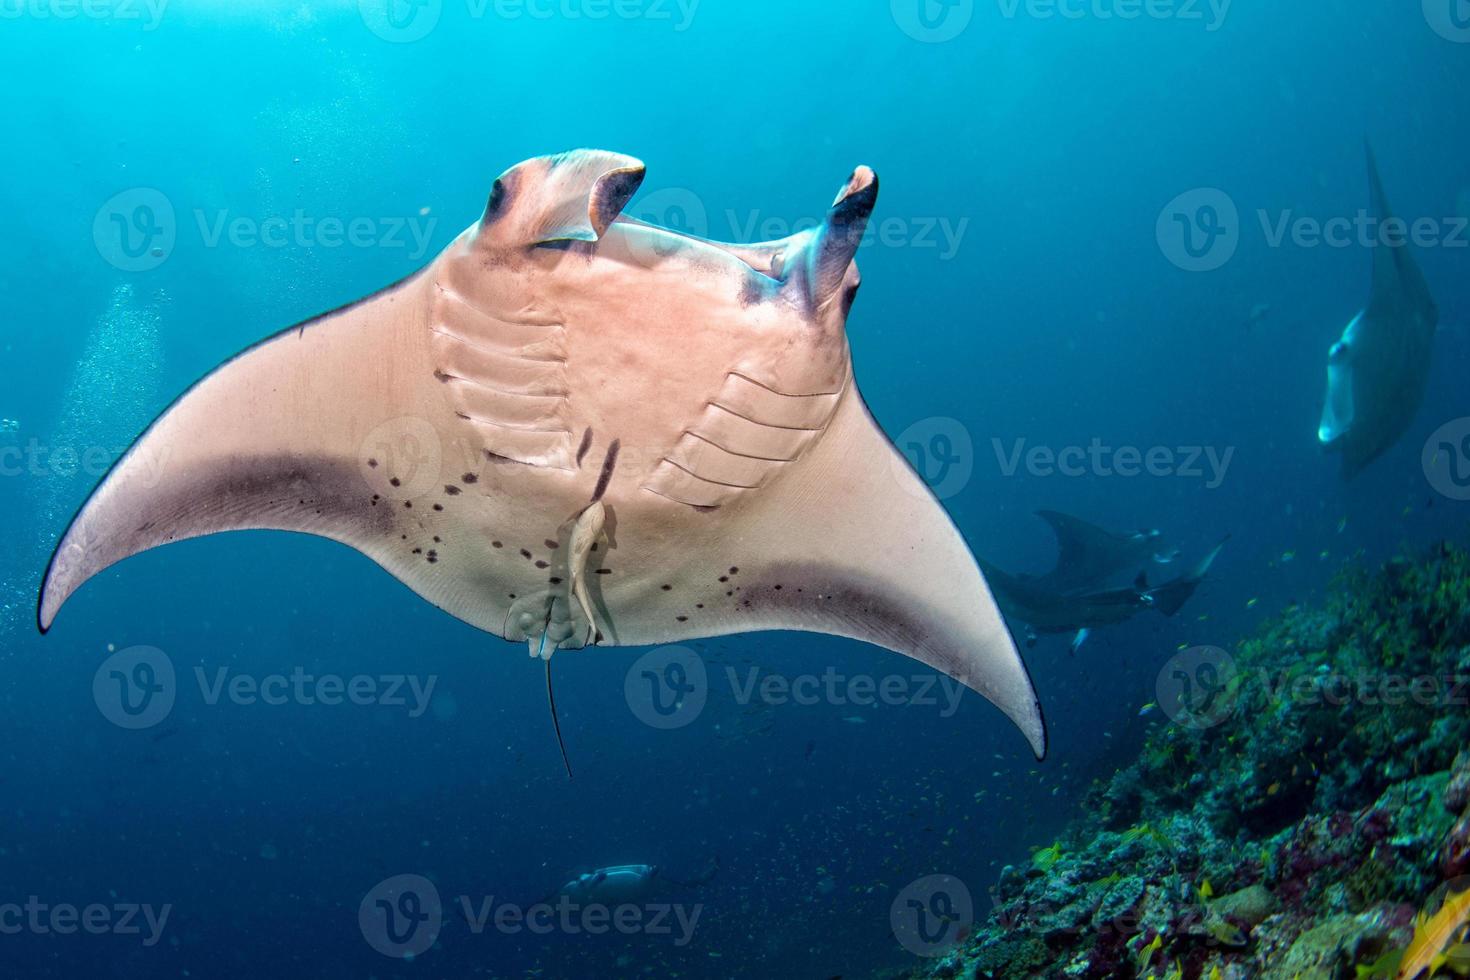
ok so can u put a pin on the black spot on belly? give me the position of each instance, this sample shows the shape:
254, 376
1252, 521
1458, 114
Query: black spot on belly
497, 544
551, 544
543, 564
408, 505
734, 570
667, 588
724, 578
439, 507
395, 482
586, 445
438, 540
470, 478
433, 557
418, 551
525, 554
451, 489
373, 463
554, 580
603, 571
682, 619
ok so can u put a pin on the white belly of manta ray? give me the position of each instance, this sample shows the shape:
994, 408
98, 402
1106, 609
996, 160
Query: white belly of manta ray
575, 429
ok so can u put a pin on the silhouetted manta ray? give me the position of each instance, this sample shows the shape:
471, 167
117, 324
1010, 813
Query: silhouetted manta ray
1377, 372
1079, 600
625, 436
1088, 556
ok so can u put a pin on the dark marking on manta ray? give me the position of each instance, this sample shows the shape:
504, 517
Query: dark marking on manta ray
442, 377
433, 556
734, 570
724, 578
372, 464
586, 445
551, 544
408, 505
395, 482
497, 544
543, 564
609, 463
418, 551
469, 478
452, 490
439, 507
525, 554
554, 580
667, 588
603, 571
682, 619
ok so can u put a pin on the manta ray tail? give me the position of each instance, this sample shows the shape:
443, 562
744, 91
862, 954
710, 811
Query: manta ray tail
555, 722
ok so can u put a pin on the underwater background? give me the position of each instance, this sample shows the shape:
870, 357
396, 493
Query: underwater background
178, 179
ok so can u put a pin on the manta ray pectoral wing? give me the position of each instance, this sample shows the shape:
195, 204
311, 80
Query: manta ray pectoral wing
892, 569
849, 541
1399, 286
321, 429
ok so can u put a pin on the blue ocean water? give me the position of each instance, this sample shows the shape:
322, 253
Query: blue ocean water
1022, 291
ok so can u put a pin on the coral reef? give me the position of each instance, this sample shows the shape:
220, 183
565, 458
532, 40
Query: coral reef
1299, 836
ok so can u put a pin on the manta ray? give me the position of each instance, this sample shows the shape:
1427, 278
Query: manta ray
1076, 597
1088, 556
1377, 372
576, 429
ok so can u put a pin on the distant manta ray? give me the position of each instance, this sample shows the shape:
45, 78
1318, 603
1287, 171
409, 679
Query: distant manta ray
1378, 371
621, 434
1076, 597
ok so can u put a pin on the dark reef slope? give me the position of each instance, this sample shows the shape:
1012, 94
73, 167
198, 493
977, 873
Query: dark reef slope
1299, 836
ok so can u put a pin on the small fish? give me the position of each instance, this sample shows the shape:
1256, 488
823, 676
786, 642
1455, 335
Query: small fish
1288, 557
1146, 955
1206, 890
855, 720
1146, 709
1253, 604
